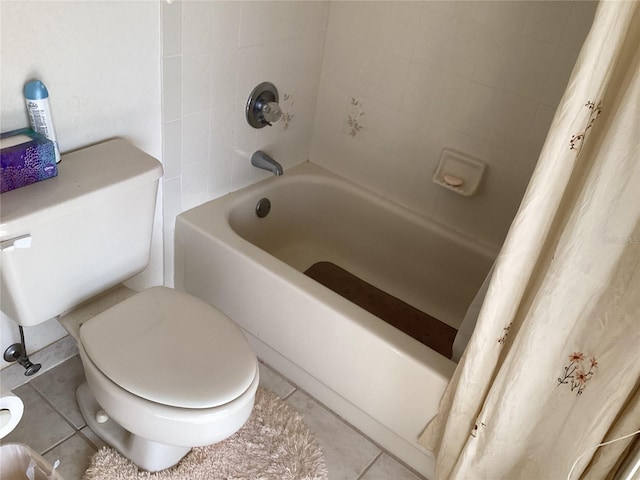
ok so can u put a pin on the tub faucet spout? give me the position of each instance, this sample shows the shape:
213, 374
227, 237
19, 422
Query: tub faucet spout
262, 160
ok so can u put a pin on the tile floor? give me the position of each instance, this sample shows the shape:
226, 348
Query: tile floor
54, 427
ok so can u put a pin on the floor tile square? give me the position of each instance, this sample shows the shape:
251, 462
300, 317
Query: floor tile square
386, 468
59, 385
74, 455
347, 453
41, 427
273, 382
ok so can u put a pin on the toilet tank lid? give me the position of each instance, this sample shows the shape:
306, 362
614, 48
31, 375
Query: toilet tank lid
85, 177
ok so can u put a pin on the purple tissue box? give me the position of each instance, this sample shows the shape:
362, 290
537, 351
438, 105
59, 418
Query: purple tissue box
25, 157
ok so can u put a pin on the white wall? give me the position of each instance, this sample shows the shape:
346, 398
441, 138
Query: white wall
482, 77
101, 64
214, 54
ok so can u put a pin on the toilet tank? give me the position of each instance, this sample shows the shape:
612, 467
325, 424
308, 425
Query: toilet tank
68, 238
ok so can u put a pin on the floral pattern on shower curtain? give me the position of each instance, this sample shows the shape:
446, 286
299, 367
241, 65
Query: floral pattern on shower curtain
553, 366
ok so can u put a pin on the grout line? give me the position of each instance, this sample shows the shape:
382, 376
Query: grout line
288, 395
51, 356
89, 441
57, 444
55, 409
368, 467
343, 420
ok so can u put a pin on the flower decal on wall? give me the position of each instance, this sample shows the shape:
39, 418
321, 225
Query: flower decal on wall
576, 376
354, 116
287, 105
578, 139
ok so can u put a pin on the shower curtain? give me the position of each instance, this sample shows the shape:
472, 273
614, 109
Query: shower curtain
553, 366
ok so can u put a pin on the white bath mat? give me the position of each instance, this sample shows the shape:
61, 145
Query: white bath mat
274, 444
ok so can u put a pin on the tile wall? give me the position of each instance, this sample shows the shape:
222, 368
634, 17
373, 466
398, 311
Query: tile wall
402, 80
214, 54
374, 91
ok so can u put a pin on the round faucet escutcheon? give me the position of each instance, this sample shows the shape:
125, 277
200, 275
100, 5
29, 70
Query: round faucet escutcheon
262, 107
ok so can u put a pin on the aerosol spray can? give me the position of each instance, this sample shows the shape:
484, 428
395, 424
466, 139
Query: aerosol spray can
37, 99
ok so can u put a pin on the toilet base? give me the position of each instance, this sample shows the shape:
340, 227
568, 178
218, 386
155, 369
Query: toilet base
146, 454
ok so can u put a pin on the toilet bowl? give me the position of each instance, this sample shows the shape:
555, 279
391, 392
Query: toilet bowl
165, 372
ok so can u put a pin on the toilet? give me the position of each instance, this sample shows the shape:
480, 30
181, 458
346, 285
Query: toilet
165, 371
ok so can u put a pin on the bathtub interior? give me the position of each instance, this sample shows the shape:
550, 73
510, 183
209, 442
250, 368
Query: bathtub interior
420, 263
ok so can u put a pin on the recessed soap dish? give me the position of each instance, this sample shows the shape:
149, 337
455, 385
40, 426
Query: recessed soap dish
458, 172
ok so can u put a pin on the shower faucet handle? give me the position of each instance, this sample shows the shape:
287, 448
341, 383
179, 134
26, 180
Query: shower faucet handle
262, 107
271, 112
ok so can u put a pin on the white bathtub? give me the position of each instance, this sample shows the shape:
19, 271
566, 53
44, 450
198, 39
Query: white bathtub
379, 379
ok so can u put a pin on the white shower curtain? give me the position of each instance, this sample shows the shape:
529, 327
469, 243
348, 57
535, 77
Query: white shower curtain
553, 366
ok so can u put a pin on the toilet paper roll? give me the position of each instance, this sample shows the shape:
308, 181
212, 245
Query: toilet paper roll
11, 410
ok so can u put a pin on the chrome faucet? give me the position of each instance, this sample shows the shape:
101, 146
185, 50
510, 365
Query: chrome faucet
262, 160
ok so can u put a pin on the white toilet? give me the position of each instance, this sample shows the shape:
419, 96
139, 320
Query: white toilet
165, 371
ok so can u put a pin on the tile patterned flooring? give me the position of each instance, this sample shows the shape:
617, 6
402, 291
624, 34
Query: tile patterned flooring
53, 426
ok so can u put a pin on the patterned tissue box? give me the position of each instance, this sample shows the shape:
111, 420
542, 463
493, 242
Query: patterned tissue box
25, 157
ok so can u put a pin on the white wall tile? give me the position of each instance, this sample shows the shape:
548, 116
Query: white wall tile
171, 28
225, 24
249, 71
477, 115
197, 34
194, 184
420, 88
559, 73
223, 75
172, 203
268, 141
529, 69
196, 83
244, 136
435, 31
509, 17
474, 10
172, 200
547, 21
263, 22
513, 114
450, 97
195, 138
172, 149
172, 88
493, 55
382, 72
219, 180
303, 59
307, 18
221, 126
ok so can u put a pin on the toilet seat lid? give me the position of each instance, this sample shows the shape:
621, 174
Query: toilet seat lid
171, 348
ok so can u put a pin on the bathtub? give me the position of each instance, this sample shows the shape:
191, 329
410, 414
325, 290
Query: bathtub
376, 377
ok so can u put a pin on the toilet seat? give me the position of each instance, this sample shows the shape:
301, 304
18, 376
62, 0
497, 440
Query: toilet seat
170, 348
